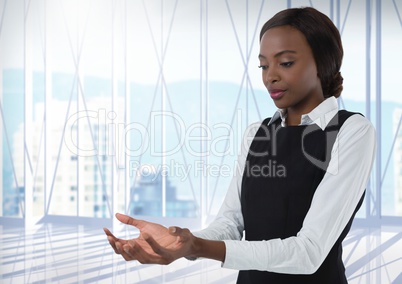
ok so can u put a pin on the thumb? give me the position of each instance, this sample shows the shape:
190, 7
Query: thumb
129, 220
175, 231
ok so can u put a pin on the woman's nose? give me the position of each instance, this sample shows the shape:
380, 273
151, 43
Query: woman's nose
271, 76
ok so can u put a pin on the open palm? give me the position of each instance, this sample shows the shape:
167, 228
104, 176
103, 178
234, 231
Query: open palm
155, 244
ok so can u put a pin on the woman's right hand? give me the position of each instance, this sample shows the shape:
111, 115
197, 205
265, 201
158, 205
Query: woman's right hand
156, 244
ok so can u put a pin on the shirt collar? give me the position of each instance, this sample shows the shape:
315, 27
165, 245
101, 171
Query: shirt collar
320, 115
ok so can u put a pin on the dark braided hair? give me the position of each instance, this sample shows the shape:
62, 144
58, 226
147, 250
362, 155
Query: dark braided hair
324, 40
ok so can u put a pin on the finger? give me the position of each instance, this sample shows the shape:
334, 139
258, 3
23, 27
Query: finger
112, 243
165, 257
123, 251
144, 257
112, 239
183, 234
154, 245
129, 220
126, 252
175, 231
108, 233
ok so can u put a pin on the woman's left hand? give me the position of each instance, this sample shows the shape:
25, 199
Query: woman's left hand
156, 244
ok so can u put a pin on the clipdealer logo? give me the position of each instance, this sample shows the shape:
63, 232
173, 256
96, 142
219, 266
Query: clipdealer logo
109, 136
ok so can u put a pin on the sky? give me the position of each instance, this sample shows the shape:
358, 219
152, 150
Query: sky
188, 40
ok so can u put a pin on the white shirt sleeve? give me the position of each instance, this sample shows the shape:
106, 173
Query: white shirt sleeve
333, 204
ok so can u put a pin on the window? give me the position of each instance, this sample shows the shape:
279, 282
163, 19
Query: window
153, 110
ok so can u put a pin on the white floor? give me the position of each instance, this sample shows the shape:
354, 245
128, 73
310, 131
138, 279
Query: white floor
81, 254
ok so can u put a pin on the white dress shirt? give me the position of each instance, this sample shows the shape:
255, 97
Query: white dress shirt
334, 201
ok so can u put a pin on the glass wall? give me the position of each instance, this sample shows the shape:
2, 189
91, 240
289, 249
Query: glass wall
140, 106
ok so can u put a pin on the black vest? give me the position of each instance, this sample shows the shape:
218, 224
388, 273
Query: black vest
283, 169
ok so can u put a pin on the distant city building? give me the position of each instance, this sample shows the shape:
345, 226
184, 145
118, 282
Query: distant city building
398, 162
146, 196
78, 171
80, 168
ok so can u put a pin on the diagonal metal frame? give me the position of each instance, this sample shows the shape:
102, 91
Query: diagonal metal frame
167, 97
59, 150
245, 75
400, 119
11, 159
78, 84
81, 91
2, 16
42, 141
161, 83
392, 150
35, 172
5, 129
397, 12
373, 205
65, 121
27, 165
342, 27
134, 180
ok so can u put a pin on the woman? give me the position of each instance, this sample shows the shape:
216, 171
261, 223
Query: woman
294, 221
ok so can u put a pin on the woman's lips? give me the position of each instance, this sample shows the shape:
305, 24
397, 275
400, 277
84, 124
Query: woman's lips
276, 94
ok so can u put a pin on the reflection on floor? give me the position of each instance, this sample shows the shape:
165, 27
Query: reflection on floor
70, 254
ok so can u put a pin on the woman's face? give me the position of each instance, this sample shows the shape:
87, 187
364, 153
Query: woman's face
289, 71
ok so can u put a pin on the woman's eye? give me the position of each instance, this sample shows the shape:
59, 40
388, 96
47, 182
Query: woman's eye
263, 67
287, 64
